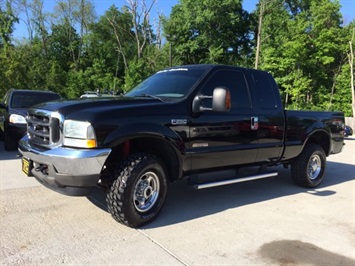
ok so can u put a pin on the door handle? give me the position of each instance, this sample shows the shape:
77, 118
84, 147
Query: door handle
254, 125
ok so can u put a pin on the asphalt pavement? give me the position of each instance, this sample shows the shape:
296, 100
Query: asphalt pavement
270, 221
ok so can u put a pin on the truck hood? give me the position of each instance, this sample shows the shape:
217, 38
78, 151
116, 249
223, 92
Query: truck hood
97, 105
18, 111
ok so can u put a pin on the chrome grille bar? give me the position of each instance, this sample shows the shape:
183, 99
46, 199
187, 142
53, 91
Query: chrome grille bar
44, 128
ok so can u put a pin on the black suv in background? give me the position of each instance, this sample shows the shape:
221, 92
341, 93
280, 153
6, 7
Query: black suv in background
13, 110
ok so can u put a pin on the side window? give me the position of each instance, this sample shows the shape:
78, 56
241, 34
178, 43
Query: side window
264, 93
5, 100
235, 82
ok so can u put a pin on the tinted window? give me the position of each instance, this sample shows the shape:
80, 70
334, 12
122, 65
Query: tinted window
235, 82
169, 83
264, 93
28, 99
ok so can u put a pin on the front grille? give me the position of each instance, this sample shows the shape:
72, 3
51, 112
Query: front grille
44, 128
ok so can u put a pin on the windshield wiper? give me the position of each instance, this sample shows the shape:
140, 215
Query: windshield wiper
149, 96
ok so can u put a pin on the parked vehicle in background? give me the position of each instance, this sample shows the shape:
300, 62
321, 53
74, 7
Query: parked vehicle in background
13, 110
348, 131
92, 94
89, 94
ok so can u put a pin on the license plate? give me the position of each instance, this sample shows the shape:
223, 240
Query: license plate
27, 166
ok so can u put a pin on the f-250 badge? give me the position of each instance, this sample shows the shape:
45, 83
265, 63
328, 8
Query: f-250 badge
178, 121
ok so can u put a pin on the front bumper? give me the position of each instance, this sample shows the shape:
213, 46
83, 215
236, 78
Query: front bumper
69, 171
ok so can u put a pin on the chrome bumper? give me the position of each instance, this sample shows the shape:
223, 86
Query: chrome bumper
66, 170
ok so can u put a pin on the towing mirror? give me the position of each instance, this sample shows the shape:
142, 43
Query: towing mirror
221, 101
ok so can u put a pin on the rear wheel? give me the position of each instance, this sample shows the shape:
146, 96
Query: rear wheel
308, 168
138, 192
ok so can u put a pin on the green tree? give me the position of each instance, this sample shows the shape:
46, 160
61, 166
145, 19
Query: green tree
64, 45
7, 21
343, 88
209, 31
110, 47
302, 47
78, 15
40, 19
141, 25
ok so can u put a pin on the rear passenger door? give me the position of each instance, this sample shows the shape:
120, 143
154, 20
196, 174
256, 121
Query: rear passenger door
268, 110
220, 139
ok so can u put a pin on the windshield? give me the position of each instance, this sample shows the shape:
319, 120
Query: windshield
28, 99
174, 83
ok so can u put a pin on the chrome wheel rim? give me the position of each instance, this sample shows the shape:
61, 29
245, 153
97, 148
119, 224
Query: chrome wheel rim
314, 166
146, 192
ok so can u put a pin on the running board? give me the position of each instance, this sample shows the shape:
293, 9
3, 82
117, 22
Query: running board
233, 181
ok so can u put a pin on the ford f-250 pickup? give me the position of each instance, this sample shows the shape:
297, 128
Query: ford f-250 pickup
197, 121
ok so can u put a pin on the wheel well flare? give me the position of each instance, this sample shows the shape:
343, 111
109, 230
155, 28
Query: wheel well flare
158, 146
321, 138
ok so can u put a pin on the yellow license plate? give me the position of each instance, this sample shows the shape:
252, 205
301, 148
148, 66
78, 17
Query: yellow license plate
26, 166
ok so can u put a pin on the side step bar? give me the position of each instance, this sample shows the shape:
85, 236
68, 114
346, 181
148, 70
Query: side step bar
233, 181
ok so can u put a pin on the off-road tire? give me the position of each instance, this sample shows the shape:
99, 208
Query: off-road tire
138, 192
308, 169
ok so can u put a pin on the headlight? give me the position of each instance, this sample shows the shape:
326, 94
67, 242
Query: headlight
17, 119
79, 134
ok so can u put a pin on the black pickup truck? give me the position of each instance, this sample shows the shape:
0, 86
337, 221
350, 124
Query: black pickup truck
206, 123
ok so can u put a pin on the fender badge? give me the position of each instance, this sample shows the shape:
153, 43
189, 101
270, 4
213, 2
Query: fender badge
178, 121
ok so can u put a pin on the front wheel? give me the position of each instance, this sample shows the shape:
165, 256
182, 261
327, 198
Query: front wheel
138, 192
308, 168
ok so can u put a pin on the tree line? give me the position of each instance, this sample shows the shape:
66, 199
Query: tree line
305, 44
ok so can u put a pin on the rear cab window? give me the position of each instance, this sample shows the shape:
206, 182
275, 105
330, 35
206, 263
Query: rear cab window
265, 87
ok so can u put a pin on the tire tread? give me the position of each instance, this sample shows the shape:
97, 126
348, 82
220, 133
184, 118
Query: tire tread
299, 166
116, 197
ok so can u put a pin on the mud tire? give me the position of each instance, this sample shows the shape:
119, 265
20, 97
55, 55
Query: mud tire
308, 169
138, 192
